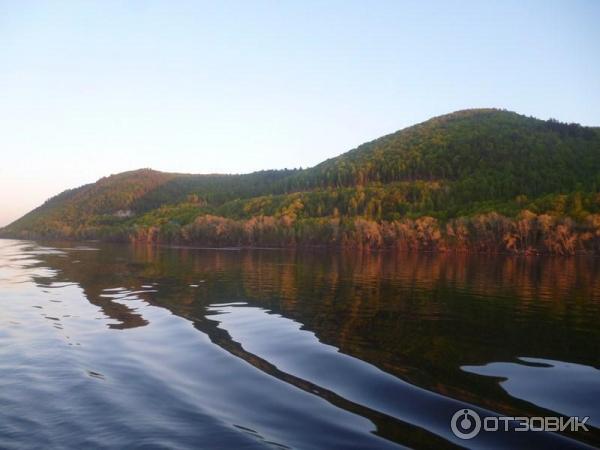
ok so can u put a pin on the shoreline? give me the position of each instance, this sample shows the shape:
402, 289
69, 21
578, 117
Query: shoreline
323, 247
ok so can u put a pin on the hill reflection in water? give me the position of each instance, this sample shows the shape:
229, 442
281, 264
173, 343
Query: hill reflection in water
420, 318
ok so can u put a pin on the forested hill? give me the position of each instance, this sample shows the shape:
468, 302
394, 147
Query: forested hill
485, 179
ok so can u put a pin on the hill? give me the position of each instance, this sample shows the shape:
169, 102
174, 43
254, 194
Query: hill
483, 179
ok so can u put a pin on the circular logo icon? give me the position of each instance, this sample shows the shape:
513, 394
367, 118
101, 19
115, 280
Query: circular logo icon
465, 424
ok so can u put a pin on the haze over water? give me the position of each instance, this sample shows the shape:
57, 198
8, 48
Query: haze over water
128, 347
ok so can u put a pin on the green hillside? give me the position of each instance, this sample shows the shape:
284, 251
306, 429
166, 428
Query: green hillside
454, 173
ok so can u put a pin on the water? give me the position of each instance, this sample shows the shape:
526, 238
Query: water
112, 346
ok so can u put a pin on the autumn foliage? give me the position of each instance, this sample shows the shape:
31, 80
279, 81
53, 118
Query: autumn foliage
476, 180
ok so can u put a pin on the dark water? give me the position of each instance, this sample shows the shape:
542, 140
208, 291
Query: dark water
132, 347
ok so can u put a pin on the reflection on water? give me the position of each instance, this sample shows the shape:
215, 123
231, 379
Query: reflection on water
118, 346
566, 388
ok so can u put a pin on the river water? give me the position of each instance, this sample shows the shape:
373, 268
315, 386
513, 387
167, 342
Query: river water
117, 346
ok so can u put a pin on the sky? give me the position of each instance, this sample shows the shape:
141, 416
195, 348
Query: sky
92, 88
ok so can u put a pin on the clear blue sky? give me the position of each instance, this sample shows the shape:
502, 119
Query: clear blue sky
93, 88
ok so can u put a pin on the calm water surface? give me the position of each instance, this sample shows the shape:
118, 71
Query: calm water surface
107, 346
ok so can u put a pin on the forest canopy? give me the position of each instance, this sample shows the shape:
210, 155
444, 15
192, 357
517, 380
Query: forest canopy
484, 180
